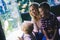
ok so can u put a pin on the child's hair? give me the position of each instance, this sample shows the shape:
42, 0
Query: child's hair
27, 27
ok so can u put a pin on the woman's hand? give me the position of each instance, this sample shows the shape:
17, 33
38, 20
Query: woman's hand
49, 39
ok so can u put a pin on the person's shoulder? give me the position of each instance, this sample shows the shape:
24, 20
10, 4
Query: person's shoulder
53, 15
27, 37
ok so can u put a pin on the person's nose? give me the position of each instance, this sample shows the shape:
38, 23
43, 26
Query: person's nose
34, 11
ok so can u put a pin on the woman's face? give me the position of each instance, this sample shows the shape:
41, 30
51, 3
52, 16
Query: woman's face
33, 11
41, 11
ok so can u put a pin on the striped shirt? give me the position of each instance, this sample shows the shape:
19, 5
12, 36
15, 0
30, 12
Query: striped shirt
51, 21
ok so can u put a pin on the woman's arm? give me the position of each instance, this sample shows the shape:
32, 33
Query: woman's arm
54, 33
44, 32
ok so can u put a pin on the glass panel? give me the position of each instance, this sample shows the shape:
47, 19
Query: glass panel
10, 16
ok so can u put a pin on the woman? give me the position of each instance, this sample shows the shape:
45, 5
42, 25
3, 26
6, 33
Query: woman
34, 13
49, 22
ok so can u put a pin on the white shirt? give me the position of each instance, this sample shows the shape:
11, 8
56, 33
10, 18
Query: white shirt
35, 27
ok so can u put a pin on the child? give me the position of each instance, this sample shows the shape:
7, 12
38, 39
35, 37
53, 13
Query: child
27, 28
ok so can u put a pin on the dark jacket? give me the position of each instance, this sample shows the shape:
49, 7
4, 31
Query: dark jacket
2, 35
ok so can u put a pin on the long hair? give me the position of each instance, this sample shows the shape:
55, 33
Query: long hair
35, 5
46, 7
